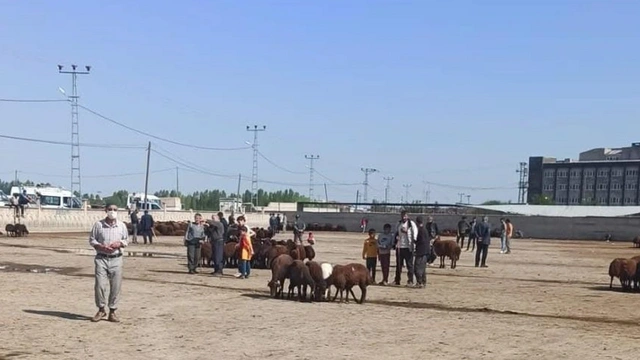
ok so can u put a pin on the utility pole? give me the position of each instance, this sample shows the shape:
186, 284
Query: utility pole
406, 192
387, 188
146, 180
366, 172
238, 196
177, 182
468, 199
461, 196
326, 194
254, 172
16, 179
427, 191
311, 158
76, 184
523, 183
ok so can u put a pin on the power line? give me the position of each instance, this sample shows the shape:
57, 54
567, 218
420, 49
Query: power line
96, 176
158, 137
278, 166
32, 100
53, 142
470, 187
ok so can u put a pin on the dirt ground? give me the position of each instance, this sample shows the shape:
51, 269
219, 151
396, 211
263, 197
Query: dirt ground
546, 300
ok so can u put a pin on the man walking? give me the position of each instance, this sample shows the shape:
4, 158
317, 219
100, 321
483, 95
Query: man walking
134, 225
483, 233
422, 251
463, 230
406, 233
108, 236
216, 236
508, 235
472, 234
146, 227
298, 230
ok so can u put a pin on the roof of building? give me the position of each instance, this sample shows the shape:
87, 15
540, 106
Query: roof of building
563, 210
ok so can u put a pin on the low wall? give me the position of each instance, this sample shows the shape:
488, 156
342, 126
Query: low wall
539, 227
63, 220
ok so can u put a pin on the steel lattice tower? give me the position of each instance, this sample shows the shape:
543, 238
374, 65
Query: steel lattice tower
387, 188
366, 172
311, 158
76, 184
254, 172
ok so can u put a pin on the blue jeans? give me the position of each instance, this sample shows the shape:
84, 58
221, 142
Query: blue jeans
503, 242
245, 267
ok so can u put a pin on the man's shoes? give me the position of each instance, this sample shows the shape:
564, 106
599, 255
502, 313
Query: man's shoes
484, 266
113, 317
101, 314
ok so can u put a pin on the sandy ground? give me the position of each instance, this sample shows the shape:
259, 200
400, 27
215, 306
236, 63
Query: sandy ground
547, 300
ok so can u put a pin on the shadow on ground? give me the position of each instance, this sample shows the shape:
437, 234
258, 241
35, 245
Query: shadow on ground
59, 314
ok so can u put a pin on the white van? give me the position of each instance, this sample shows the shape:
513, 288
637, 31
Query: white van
137, 200
49, 197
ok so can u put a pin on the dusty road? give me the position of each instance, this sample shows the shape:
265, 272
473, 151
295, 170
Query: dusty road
547, 300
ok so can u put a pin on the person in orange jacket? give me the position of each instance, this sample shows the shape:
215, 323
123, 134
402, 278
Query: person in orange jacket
246, 253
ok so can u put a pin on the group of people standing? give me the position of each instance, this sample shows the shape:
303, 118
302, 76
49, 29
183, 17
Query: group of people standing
480, 233
141, 226
411, 241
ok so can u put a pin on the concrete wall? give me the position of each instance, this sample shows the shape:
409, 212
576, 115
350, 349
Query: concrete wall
53, 220
539, 227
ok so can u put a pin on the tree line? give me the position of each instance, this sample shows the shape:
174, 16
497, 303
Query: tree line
207, 200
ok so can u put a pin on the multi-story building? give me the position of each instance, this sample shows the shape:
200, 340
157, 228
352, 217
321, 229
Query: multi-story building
600, 176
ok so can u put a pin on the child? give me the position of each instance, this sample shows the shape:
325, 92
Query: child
370, 253
246, 252
311, 240
385, 243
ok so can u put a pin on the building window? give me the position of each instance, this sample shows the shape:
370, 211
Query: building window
617, 172
631, 186
602, 187
628, 200
562, 200
603, 173
562, 186
632, 172
562, 173
574, 200
574, 186
612, 158
549, 173
575, 173
588, 173
616, 186
548, 187
615, 200
587, 200
589, 187
602, 200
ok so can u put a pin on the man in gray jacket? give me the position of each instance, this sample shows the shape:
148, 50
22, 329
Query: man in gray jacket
405, 238
483, 233
216, 232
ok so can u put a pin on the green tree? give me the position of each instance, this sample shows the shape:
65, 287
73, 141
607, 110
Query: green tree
119, 198
493, 202
541, 200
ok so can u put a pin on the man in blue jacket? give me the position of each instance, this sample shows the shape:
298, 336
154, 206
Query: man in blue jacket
483, 233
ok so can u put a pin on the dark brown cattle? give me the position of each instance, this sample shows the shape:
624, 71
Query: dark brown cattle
279, 272
230, 254
615, 268
315, 270
10, 229
298, 253
205, 254
628, 273
274, 252
310, 253
345, 277
300, 278
447, 248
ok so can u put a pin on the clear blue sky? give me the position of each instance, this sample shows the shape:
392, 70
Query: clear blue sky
420, 90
